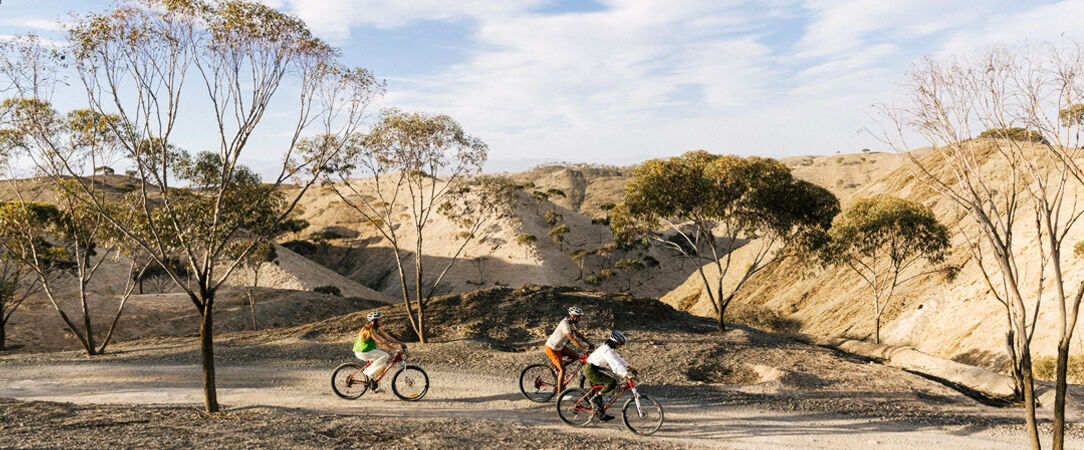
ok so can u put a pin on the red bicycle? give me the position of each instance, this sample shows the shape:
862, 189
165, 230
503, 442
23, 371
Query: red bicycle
410, 383
642, 414
538, 382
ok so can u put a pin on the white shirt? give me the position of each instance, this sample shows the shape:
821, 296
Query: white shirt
608, 357
559, 337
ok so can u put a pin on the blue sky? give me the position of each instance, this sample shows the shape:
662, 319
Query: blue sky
619, 81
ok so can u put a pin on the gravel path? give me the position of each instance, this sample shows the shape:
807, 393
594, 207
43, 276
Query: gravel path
460, 398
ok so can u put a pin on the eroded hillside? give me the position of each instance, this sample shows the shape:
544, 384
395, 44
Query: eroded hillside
953, 319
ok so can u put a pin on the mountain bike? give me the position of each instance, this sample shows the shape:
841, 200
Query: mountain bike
642, 414
410, 383
538, 382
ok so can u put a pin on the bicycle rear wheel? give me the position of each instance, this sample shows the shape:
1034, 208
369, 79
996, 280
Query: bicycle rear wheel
410, 383
574, 408
645, 419
348, 381
538, 383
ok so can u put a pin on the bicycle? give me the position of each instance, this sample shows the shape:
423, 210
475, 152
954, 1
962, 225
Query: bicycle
538, 382
574, 407
410, 383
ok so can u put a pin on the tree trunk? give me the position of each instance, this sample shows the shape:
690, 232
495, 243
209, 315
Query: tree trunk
1029, 400
418, 270
207, 355
1059, 394
722, 306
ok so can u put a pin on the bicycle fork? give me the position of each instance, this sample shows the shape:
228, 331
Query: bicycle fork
636, 398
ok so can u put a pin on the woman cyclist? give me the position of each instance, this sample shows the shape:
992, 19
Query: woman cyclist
606, 355
365, 346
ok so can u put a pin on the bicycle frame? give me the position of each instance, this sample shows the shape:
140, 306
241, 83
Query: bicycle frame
395, 359
624, 387
569, 375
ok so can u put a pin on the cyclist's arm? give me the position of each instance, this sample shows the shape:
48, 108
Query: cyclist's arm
618, 364
574, 341
390, 339
585, 340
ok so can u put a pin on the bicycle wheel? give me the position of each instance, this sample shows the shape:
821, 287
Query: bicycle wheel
645, 419
348, 381
538, 383
573, 407
410, 383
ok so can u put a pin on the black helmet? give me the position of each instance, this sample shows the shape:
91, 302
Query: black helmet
617, 337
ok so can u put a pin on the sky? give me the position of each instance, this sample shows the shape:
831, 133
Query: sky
621, 81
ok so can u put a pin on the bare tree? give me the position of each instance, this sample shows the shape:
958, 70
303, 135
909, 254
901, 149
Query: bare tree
237, 55
422, 163
1021, 183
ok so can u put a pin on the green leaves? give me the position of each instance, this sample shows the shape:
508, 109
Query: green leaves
753, 196
895, 228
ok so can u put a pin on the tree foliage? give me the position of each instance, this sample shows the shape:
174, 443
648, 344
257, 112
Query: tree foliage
881, 238
715, 203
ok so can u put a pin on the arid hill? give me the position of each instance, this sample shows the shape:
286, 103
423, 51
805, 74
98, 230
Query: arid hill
956, 320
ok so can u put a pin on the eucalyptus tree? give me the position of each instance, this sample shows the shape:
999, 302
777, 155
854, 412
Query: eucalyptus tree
142, 61
1019, 188
424, 164
883, 239
715, 204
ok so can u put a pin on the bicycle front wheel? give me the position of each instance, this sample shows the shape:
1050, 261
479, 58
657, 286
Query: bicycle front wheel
538, 383
348, 381
410, 383
574, 408
642, 418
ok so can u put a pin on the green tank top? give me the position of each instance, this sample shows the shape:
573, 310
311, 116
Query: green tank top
364, 345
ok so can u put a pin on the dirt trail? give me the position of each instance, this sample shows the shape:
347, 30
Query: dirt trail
454, 394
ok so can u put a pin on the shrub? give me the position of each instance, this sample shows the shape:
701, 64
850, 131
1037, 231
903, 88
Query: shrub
1014, 133
526, 239
765, 319
1045, 368
329, 290
326, 235
552, 217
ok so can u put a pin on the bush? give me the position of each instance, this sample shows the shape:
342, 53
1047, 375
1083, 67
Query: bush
329, 290
1045, 368
1014, 133
326, 235
764, 318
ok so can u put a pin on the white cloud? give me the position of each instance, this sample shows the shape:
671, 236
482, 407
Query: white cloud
33, 23
641, 78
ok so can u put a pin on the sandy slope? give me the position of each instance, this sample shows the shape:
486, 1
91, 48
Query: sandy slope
955, 320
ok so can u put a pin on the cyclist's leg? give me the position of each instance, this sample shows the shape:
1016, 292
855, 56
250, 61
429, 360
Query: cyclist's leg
597, 378
555, 356
379, 359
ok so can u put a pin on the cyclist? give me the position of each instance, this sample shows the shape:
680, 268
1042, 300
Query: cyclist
365, 346
557, 344
606, 355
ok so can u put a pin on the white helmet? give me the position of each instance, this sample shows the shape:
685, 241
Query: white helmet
617, 337
574, 311
373, 316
